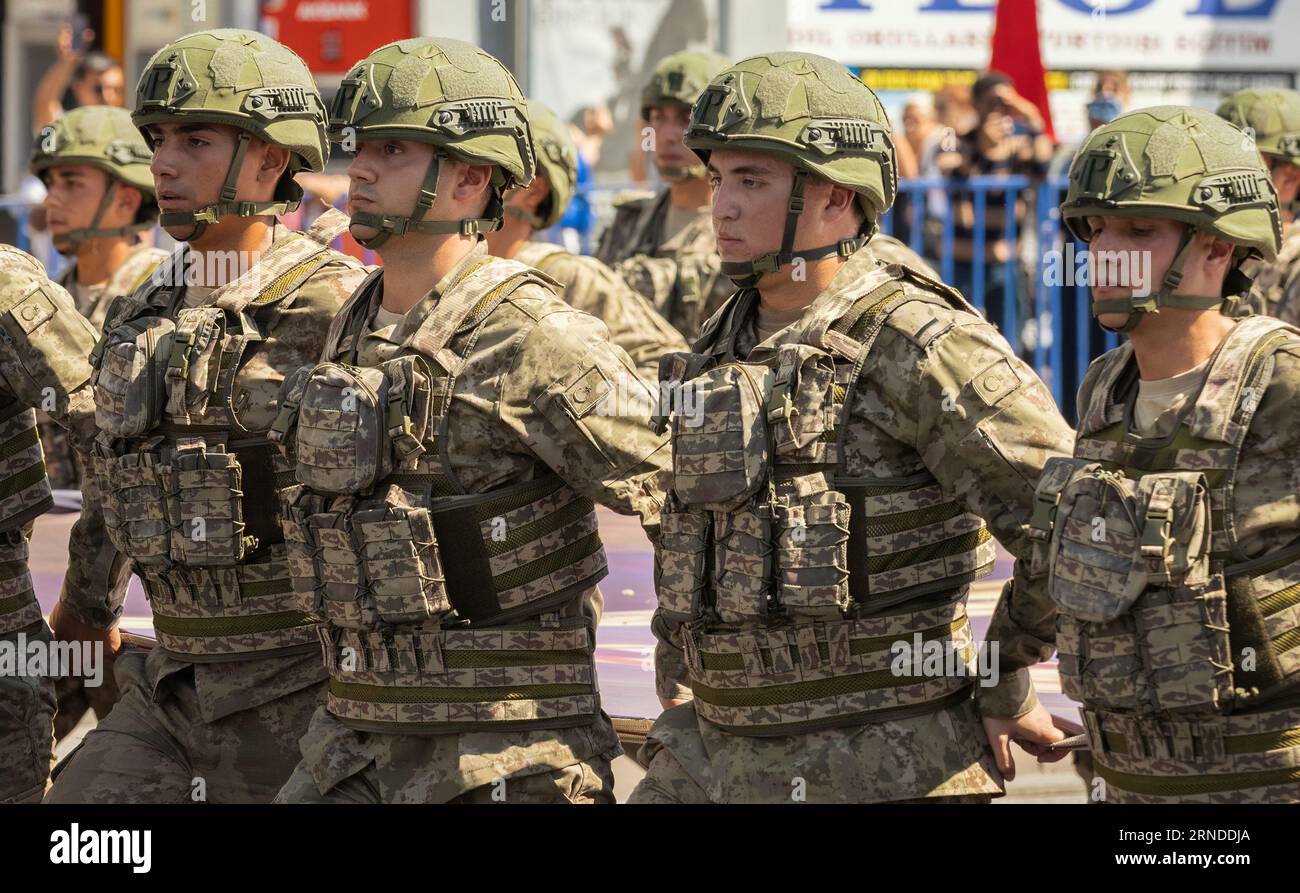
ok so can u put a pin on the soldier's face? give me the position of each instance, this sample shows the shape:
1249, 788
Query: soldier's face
386, 176
190, 162
73, 193
1120, 244
751, 193
1286, 178
669, 124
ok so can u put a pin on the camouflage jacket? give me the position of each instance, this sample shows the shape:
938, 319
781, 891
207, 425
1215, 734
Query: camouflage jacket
60, 458
889, 250
1276, 289
592, 287
94, 588
522, 402
941, 395
682, 276
1261, 509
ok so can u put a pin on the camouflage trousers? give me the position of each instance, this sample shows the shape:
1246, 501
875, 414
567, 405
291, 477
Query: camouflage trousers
156, 746
942, 758
341, 765
26, 731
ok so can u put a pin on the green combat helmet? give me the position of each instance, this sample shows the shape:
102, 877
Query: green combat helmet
103, 137
1272, 115
557, 161
245, 80
447, 93
680, 79
1176, 163
812, 112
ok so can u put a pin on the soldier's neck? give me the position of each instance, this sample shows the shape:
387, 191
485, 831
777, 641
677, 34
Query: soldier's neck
687, 195
794, 286
413, 266
507, 241
241, 239
97, 259
1176, 340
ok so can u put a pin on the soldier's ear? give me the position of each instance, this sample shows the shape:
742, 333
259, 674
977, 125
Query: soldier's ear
128, 201
472, 182
275, 161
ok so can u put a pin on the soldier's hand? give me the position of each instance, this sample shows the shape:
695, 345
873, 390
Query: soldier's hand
668, 703
74, 697
1033, 732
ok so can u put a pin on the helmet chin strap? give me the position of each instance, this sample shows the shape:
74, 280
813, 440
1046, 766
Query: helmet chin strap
747, 273
397, 224
534, 220
1138, 306
200, 218
68, 243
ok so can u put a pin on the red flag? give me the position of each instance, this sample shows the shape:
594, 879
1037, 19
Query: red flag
1016, 53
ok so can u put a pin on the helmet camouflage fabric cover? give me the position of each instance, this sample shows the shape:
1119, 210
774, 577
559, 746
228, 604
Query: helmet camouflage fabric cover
103, 137
451, 95
679, 79
244, 80
812, 112
557, 161
1272, 114
1175, 163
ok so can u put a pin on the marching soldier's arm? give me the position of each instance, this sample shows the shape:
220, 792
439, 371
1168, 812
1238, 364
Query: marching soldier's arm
575, 400
45, 345
984, 425
95, 584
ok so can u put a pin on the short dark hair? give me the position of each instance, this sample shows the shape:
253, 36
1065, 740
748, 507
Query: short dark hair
986, 84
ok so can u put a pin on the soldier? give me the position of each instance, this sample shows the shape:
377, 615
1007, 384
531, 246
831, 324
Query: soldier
43, 352
452, 444
1273, 116
186, 483
1171, 535
588, 284
866, 433
99, 196
663, 246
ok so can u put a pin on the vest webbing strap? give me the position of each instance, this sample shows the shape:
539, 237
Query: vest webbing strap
11, 603
235, 626
383, 694
1167, 786
734, 660
19, 442
32, 474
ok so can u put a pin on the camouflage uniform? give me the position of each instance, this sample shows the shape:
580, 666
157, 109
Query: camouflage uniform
186, 485
103, 138
889, 250
460, 611
679, 274
588, 285
833, 498
1273, 116
44, 345
1276, 288
61, 459
1172, 553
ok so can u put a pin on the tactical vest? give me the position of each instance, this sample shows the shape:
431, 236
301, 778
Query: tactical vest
24, 494
794, 581
1166, 633
438, 605
189, 493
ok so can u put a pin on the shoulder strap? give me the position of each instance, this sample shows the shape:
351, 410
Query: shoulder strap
277, 273
351, 316
467, 303
1096, 408
328, 226
1224, 409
